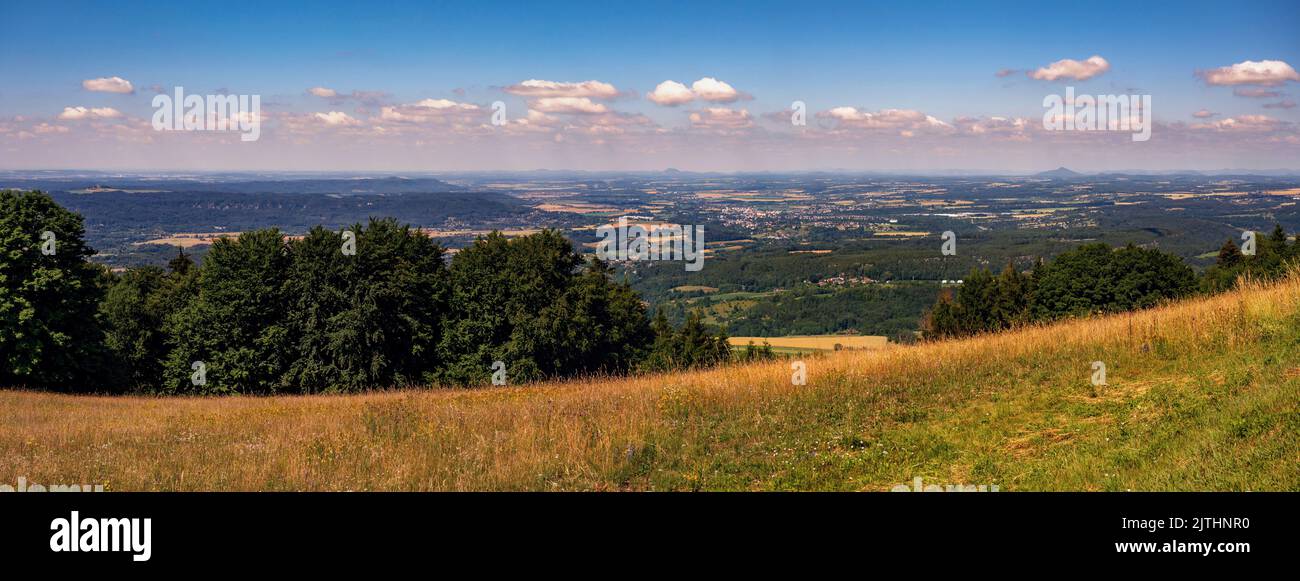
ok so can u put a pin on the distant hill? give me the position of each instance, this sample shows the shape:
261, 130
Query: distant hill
1060, 172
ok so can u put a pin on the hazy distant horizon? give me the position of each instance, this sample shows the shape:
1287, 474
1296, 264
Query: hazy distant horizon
667, 171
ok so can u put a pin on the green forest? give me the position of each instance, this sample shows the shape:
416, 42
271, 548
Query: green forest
265, 313
1096, 279
380, 305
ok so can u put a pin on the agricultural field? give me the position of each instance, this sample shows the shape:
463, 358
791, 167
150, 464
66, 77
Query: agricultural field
805, 343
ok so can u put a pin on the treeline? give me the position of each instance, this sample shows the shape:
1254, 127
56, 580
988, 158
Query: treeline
266, 313
1272, 257
270, 314
1095, 279
871, 309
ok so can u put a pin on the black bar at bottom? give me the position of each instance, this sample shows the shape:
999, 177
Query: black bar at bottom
764, 532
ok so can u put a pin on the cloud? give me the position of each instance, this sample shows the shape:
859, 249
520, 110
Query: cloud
537, 119
369, 98
711, 89
536, 88
441, 111
904, 121
1265, 73
78, 113
671, 94
1204, 114
580, 105
444, 104
108, 85
337, 118
1005, 73
607, 125
1281, 105
47, 128
1011, 128
1242, 123
1254, 93
721, 118
1072, 69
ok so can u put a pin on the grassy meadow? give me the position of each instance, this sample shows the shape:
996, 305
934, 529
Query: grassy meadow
1201, 395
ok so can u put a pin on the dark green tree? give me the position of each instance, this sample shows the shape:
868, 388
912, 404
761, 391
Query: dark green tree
1089, 279
49, 296
1273, 257
235, 325
1229, 255
133, 328
754, 352
694, 345
663, 349
1093, 278
367, 320
594, 326
496, 284
942, 320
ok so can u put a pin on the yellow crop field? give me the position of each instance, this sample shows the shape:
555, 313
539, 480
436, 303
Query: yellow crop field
818, 342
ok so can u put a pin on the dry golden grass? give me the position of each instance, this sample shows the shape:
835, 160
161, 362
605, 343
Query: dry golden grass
1202, 395
902, 233
576, 208
435, 233
822, 342
191, 239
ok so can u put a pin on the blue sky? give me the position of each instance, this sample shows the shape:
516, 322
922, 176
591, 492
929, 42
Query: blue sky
936, 58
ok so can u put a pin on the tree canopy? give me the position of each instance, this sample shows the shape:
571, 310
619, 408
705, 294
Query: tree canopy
367, 306
1093, 278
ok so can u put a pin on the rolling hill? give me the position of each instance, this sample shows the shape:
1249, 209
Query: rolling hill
1200, 395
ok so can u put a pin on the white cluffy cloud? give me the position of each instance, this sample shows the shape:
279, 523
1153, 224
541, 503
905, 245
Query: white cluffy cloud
78, 113
537, 88
1242, 123
429, 111
323, 92
721, 118
337, 118
108, 85
1266, 73
1072, 69
672, 93
711, 89
904, 121
580, 105
443, 104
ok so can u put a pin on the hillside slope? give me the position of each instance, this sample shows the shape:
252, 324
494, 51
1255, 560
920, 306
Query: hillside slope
1201, 395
